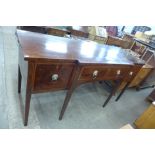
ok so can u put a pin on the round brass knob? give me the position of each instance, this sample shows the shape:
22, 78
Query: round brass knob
118, 72
55, 77
95, 73
131, 73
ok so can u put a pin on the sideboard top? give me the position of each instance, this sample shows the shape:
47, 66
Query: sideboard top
42, 46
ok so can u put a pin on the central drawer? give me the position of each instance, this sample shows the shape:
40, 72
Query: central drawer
91, 73
52, 76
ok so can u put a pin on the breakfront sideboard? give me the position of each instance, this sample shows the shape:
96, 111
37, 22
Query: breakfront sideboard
51, 63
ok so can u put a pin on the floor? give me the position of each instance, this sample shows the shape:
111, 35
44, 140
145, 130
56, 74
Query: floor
85, 108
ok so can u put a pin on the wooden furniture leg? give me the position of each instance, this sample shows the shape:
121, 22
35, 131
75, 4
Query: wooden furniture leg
70, 91
151, 96
123, 90
19, 80
67, 98
27, 105
28, 91
113, 91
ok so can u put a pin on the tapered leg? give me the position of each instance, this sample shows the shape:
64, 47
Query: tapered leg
123, 90
27, 106
112, 92
70, 91
19, 80
28, 91
67, 98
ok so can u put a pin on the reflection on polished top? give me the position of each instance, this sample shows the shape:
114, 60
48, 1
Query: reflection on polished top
35, 45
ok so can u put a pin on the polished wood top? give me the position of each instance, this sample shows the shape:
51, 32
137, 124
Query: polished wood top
41, 46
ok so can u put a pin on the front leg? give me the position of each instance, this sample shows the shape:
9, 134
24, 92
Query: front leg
113, 91
123, 90
66, 101
27, 105
29, 85
70, 91
19, 79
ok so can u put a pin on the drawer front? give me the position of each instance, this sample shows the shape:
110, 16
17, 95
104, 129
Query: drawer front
132, 73
52, 77
140, 76
88, 73
116, 72
102, 73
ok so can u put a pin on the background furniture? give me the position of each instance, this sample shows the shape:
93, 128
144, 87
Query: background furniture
151, 96
97, 34
145, 77
39, 29
147, 119
58, 31
79, 31
118, 42
128, 37
141, 76
112, 30
140, 29
141, 50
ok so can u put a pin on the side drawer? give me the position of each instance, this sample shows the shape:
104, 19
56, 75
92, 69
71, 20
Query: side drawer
140, 76
133, 72
52, 76
88, 73
116, 72
102, 73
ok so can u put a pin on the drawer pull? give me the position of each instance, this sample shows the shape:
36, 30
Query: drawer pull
118, 72
130, 73
55, 77
95, 73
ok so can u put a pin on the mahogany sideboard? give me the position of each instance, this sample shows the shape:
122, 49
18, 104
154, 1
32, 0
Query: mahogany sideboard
51, 63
